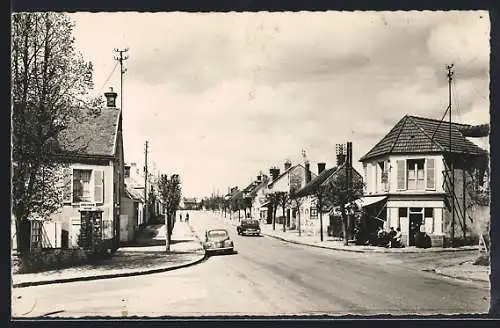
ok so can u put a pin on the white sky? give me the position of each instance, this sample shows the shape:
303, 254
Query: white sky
221, 96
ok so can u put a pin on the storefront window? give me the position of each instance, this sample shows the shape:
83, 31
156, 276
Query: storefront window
403, 212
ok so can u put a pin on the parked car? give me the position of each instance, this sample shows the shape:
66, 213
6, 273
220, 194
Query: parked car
218, 241
248, 227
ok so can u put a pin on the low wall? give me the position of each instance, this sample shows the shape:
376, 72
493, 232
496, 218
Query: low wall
49, 259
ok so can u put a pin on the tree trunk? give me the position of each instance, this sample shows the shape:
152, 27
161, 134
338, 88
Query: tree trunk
298, 217
273, 216
167, 233
344, 224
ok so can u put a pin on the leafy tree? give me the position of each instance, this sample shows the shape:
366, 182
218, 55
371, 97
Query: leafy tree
50, 86
335, 192
171, 193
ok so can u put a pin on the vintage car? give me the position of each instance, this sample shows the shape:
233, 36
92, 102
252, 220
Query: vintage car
218, 241
248, 227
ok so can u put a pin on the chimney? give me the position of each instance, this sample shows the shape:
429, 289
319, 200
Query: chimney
340, 159
274, 172
321, 167
288, 165
110, 98
308, 173
259, 178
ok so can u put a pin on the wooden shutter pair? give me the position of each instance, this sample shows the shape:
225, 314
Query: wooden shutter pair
430, 174
68, 186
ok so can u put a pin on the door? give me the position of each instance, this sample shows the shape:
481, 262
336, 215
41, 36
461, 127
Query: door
416, 219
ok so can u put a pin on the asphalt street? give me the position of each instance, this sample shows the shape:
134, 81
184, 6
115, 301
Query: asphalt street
265, 277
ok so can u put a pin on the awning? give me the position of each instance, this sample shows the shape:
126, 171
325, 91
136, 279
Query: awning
366, 201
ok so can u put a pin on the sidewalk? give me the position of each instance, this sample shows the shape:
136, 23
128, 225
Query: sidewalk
292, 236
466, 271
147, 255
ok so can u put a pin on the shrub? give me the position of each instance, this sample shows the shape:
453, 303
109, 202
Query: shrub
482, 259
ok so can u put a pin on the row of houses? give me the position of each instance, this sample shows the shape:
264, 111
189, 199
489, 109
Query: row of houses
97, 184
424, 175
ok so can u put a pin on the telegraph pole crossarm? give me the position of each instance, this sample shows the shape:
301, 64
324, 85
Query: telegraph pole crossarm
121, 58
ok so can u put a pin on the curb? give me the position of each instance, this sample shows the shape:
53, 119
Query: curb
382, 250
115, 275
438, 270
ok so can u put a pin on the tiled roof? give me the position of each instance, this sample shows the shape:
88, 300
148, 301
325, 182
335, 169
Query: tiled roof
92, 135
324, 177
316, 182
133, 193
414, 134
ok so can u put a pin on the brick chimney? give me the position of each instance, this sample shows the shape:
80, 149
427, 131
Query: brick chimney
274, 172
110, 98
288, 165
321, 167
308, 173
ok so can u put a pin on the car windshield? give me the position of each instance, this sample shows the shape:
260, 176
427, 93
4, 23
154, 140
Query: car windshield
217, 233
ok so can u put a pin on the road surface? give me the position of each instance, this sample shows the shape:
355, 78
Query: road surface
265, 277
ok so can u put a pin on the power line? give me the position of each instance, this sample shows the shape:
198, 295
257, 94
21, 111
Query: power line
109, 76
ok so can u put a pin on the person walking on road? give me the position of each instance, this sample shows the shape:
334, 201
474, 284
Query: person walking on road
180, 217
187, 217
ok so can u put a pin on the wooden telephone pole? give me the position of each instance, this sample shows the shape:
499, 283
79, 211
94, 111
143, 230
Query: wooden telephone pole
146, 209
452, 168
121, 58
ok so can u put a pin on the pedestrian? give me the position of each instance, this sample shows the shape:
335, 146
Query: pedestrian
180, 217
397, 238
187, 217
392, 234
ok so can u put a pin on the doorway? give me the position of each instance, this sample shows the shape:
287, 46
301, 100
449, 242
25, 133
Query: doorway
416, 219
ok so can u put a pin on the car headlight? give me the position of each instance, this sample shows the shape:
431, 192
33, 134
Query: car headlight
228, 243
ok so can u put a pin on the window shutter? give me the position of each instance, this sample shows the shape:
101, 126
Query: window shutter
431, 175
99, 186
401, 174
67, 185
369, 180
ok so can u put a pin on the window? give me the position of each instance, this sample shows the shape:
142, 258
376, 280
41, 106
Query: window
314, 213
81, 186
36, 234
428, 212
403, 212
415, 174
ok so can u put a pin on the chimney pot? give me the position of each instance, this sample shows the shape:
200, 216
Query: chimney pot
340, 159
110, 98
288, 165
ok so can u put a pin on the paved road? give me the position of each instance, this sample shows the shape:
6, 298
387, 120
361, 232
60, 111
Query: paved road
265, 277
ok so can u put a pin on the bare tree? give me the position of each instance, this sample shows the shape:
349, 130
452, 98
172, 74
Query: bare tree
50, 86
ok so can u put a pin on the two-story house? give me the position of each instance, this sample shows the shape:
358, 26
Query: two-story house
307, 196
423, 168
94, 177
292, 179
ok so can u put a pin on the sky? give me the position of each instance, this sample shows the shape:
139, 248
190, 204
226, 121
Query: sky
222, 96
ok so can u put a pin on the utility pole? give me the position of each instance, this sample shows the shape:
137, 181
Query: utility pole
146, 182
452, 169
121, 58
348, 174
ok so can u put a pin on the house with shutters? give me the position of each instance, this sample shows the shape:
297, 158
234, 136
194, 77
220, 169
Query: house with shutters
92, 148
306, 198
428, 172
292, 179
